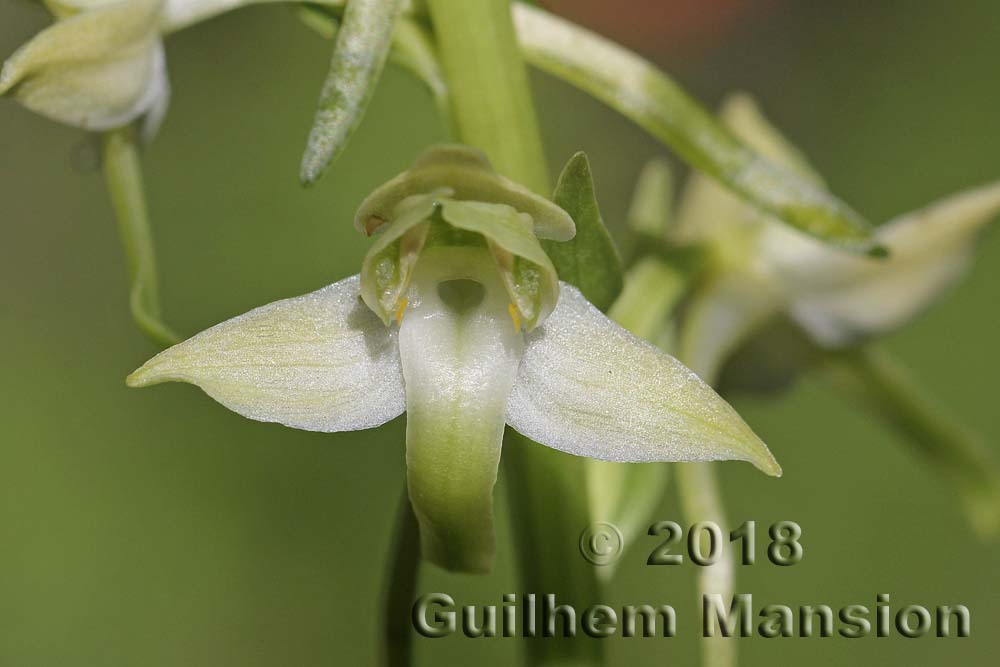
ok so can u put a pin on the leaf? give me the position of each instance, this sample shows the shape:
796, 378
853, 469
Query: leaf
531, 280
589, 260
641, 92
359, 55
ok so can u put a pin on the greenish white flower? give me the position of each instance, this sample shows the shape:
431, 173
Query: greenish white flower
763, 268
458, 319
101, 65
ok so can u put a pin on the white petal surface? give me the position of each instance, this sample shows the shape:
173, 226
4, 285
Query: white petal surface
318, 362
588, 387
459, 364
840, 297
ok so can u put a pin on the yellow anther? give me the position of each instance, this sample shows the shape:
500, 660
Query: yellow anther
399, 311
514, 316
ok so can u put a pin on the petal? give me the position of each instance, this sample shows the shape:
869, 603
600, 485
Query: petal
839, 298
388, 265
588, 387
157, 98
318, 362
528, 274
469, 175
98, 69
459, 362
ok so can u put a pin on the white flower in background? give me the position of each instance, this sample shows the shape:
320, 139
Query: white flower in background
101, 64
458, 319
762, 268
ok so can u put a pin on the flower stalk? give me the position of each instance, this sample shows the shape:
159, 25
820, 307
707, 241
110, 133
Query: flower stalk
701, 500
883, 387
123, 175
401, 588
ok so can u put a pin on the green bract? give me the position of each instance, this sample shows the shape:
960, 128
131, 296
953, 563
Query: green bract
590, 260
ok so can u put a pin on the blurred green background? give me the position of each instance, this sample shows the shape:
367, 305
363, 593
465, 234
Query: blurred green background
156, 528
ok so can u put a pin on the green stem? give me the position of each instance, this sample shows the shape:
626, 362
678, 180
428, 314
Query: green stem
402, 587
123, 175
884, 388
698, 489
412, 49
489, 87
651, 211
493, 110
653, 288
547, 495
701, 500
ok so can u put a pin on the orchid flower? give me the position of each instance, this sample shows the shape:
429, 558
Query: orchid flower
762, 268
458, 319
101, 64
762, 272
